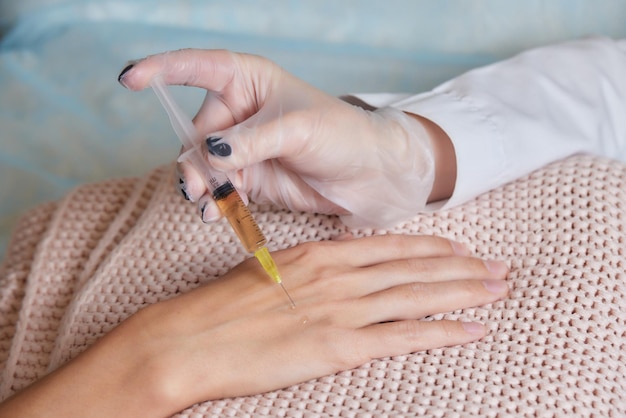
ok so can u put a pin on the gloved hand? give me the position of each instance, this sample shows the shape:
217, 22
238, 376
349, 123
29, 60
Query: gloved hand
282, 141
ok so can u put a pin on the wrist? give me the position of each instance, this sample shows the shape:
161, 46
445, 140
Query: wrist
147, 377
443, 153
133, 369
445, 159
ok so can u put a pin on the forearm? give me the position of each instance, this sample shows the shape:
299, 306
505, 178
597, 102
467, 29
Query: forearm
109, 379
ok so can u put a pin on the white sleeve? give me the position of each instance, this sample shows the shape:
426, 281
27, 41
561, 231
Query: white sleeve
512, 117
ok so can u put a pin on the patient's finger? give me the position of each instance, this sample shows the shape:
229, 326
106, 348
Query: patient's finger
403, 337
369, 251
433, 269
416, 272
418, 300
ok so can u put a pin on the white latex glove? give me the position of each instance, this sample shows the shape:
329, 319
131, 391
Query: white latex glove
285, 142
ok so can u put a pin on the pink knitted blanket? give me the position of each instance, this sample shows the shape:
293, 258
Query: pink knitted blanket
557, 346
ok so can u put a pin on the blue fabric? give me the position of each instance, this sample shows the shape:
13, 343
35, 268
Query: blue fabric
64, 119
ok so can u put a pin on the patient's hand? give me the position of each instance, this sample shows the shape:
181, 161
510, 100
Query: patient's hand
285, 142
356, 300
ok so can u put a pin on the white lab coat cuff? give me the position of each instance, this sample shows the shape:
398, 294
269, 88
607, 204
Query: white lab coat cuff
480, 155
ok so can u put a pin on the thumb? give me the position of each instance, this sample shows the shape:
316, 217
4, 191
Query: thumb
256, 140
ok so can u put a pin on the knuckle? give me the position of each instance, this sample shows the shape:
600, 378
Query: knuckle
308, 253
344, 348
474, 265
406, 329
448, 328
409, 332
343, 344
424, 265
318, 258
471, 289
418, 292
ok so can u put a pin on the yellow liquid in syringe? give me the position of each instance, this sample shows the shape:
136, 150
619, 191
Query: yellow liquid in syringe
247, 230
239, 217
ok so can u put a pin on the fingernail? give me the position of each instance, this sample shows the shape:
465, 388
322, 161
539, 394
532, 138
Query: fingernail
183, 189
495, 286
475, 328
202, 209
218, 148
181, 186
498, 268
209, 215
129, 66
459, 249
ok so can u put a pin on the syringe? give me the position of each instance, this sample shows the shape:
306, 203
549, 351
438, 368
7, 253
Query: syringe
224, 193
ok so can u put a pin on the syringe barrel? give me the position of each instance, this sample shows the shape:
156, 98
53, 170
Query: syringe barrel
224, 193
229, 202
239, 217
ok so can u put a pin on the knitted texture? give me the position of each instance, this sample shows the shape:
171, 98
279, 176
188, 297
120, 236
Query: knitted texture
556, 345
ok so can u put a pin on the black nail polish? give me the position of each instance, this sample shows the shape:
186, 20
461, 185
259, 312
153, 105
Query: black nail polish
182, 187
124, 71
215, 148
202, 208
